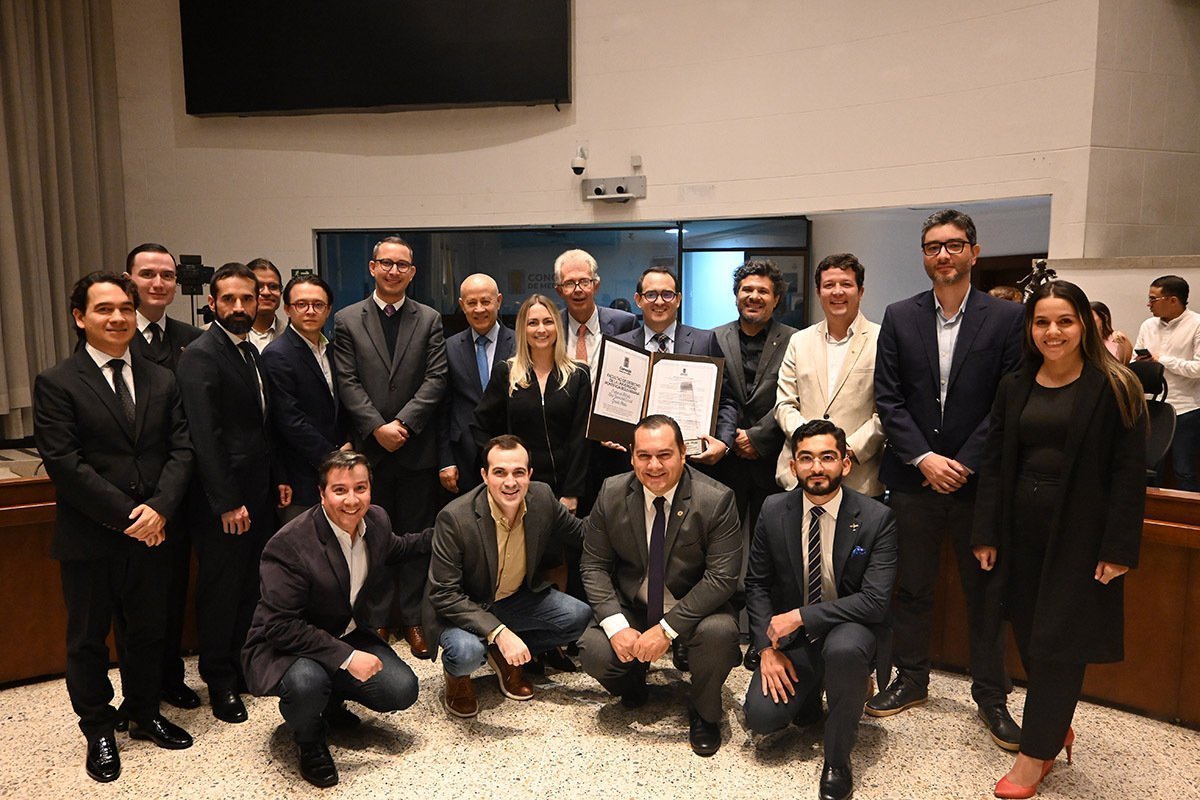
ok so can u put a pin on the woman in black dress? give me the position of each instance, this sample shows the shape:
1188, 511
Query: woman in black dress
1059, 514
542, 396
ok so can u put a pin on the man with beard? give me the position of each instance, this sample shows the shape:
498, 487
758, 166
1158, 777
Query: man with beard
817, 599
268, 325
234, 494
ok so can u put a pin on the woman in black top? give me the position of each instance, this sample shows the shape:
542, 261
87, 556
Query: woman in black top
542, 396
1059, 514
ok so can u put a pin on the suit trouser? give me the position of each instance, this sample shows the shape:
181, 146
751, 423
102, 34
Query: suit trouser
410, 497
179, 552
227, 591
923, 519
842, 661
128, 586
712, 651
308, 688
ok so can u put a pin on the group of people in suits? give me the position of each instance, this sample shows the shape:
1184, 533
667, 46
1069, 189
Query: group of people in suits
351, 440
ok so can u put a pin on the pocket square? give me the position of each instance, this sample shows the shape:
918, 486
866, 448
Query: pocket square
857, 551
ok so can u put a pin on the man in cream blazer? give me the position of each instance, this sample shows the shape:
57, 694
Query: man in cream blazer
828, 372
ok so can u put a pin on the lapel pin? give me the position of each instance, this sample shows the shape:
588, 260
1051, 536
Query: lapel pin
854, 526
679, 513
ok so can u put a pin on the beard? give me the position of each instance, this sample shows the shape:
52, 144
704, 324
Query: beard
832, 482
236, 322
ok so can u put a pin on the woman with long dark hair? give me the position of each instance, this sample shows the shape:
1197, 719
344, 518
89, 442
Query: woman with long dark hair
1115, 342
1059, 514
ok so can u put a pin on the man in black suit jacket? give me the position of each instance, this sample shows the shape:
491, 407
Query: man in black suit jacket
233, 500
162, 340
488, 596
821, 572
391, 359
939, 359
112, 435
304, 400
661, 557
481, 347
326, 584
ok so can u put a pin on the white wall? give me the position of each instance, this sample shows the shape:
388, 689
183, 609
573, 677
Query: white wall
738, 108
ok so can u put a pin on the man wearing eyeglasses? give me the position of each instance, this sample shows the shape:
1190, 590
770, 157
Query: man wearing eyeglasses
1172, 338
817, 587
304, 384
268, 325
576, 281
391, 361
940, 356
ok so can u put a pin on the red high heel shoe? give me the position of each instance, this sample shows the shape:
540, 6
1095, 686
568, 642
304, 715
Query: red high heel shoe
1008, 790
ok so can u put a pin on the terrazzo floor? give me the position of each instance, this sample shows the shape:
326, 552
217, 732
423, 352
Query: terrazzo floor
574, 741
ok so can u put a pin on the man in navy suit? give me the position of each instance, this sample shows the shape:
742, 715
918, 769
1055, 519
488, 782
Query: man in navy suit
940, 357
471, 355
304, 408
821, 571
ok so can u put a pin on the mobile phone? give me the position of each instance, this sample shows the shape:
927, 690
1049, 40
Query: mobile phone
1142, 352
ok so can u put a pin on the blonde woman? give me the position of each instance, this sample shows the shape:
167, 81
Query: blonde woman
542, 396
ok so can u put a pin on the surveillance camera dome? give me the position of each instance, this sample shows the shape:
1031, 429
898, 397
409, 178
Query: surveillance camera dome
578, 165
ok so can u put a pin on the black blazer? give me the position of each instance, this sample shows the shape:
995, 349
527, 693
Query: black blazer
305, 603
233, 442
177, 335
864, 566
1099, 517
456, 443
304, 413
551, 427
907, 376
102, 467
696, 342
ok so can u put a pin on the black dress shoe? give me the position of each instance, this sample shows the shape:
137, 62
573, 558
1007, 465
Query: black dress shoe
162, 732
339, 717
704, 736
103, 760
1002, 727
636, 695
679, 656
227, 706
899, 695
836, 783
752, 659
180, 696
316, 765
556, 658
811, 711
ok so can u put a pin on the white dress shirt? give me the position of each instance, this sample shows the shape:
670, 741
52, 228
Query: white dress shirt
102, 359
237, 340
1176, 345
399, 304
947, 338
835, 359
651, 346
614, 624
591, 342
318, 351
261, 340
355, 553
828, 525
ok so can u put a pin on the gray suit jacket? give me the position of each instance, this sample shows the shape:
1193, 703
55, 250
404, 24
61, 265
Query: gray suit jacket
376, 389
462, 569
703, 554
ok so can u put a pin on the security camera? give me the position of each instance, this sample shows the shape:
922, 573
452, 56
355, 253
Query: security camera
578, 164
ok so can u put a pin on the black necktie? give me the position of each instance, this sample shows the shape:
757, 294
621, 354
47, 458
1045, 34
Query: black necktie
248, 354
814, 556
654, 572
122, 391
158, 344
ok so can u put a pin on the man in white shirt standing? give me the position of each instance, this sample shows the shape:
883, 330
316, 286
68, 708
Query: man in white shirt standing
268, 325
1172, 338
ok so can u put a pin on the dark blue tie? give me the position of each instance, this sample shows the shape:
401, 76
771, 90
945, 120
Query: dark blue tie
481, 359
654, 572
814, 556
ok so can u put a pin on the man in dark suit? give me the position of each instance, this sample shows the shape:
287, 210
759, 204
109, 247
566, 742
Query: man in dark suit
304, 400
391, 359
661, 556
111, 432
939, 359
821, 572
161, 339
471, 355
233, 500
488, 597
659, 298
326, 582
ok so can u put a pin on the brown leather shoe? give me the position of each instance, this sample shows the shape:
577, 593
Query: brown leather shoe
513, 683
415, 636
459, 698
384, 634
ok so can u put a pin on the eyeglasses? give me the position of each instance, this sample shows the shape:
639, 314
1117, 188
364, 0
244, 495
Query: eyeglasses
387, 265
1150, 301
653, 295
826, 459
269, 287
953, 247
304, 305
582, 283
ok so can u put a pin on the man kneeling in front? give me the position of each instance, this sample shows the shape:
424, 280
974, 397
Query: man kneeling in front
326, 587
488, 598
821, 570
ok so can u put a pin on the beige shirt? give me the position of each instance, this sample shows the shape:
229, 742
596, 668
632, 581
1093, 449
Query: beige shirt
510, 549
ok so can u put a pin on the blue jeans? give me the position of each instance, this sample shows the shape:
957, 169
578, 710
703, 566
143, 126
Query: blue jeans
543, 620
308, 688
1185, 447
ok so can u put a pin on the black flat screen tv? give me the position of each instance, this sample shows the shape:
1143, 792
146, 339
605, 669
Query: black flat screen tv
325, 56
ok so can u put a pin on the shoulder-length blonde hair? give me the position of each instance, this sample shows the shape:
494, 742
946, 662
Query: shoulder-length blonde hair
520, 371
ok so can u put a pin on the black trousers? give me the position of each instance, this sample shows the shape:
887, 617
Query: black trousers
179, 556
923, 519
1054, 686
410, 497
130, 587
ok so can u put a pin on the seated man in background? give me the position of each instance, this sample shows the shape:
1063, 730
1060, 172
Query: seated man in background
327, 579
487, 598
821, 571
